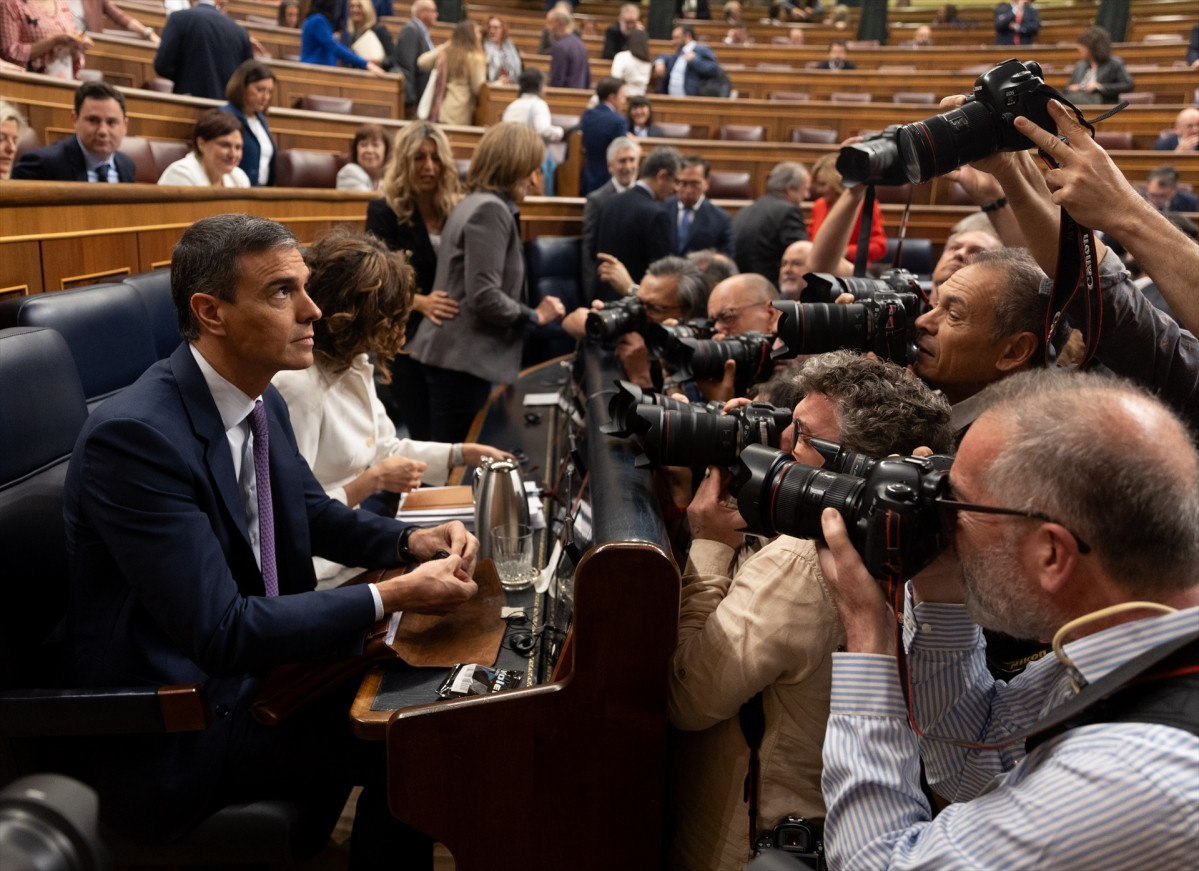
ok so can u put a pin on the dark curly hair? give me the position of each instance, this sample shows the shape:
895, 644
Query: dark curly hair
882, 409
365, 293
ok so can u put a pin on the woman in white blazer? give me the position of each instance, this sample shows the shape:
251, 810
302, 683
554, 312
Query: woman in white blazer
215, 155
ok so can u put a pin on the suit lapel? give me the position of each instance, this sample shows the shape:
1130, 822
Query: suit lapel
74, 155
208, 428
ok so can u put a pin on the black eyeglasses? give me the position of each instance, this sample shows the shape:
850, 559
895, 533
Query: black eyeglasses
950, 507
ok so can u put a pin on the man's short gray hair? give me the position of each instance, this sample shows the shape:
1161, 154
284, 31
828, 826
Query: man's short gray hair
1019, 305
619, 144
693, 290
207, 259
882, 410
1108, 461
787, 174
715, 266
664, 157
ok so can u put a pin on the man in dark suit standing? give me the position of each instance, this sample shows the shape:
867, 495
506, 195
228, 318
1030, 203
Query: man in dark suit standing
413, 41
617, 34
599, 125
763, 231
1016, 23
686, 71
200, 49
191, 522
836, 59
697, 223
623, 156
92, 153
634, 227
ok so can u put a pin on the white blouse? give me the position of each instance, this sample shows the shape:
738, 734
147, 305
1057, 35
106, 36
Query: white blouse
342, 428
634, 72
189, 172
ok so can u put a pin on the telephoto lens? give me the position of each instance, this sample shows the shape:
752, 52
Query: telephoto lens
890, 511
609, 323
704, 359
664, 341
825, 287
625, 400
671, 437
982, 125
878, 325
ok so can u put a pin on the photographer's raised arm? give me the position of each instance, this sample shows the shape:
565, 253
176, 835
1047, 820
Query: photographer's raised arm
1096, 194
1029, 203
828, 247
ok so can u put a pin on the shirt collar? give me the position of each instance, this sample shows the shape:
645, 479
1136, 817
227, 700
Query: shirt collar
91, 161
688, 47
231, 403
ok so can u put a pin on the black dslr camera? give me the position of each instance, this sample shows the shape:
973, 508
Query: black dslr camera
926, 149
798, 840
625, 315
623, 406
890, 506
825, 287
704, 359
878, 323
701, 437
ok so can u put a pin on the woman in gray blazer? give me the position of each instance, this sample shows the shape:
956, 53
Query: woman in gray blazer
1100, 77
480, 266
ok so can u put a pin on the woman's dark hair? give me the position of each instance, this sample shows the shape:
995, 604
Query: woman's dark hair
247, 73
640, 100
364, 291
1098, 42
370, 131
213, 124
530, 81
333, 10
638, 45
281, 18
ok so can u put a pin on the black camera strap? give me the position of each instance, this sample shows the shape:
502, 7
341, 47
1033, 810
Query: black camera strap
865, 223
1077, 266
753, 726
1129, 693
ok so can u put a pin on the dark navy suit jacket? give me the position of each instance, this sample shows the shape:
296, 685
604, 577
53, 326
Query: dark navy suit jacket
63, 161
200, 49
165, 588
635, 229
599, 125
712, 227
251, 151
699, 69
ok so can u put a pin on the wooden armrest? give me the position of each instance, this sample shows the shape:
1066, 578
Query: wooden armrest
108, 711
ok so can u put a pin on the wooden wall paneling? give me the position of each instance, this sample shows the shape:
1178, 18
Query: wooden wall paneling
21, 264
81, 255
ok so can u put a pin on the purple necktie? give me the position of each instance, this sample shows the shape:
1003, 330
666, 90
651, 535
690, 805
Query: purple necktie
262, 483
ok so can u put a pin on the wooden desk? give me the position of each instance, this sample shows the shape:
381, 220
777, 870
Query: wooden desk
601, 723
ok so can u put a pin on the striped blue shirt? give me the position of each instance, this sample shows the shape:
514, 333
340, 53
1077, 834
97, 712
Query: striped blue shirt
1109, 795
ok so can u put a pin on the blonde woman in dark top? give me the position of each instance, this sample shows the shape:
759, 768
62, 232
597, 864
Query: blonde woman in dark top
420, 189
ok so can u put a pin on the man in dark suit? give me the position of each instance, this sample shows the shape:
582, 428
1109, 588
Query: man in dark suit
92, 153
1185, 136
599, 125
696, 222
191, 524
763, 231
623, 156
836, 59
685, 72
413, 41
200, 49
634, 227
617, 34
1016, 23
1161, 189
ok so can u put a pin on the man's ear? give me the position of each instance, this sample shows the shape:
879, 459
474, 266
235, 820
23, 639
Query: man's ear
207, 310
1054, 554
1016, 351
